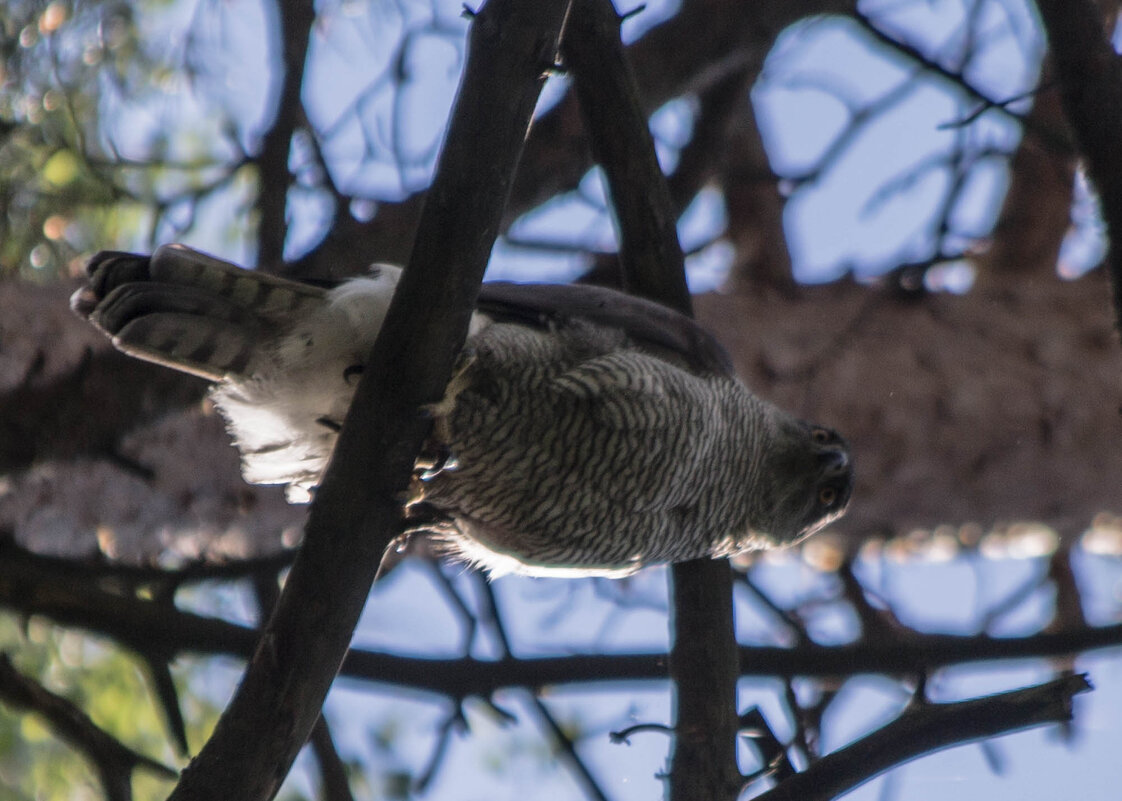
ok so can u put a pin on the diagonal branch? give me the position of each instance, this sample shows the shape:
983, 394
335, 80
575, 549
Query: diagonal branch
113, 761
332, 768
931, 727
356, 512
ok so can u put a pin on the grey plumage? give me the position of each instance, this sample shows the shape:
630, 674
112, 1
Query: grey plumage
584, 432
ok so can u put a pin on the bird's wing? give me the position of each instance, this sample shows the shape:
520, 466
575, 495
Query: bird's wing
656, 328
193, 312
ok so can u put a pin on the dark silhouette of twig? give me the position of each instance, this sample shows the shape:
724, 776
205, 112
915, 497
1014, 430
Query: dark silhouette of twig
567, 751
113, 761
924, 728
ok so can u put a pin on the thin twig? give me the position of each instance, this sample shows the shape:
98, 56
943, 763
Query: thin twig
114, 761
568, 752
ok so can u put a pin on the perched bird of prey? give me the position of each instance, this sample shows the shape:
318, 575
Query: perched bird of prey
584, 432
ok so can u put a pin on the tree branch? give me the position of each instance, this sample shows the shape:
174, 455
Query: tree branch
930, 727
1090, 78
556, 155
356, 512
113, 761
28, 586
703, 657
333, 771
293, 26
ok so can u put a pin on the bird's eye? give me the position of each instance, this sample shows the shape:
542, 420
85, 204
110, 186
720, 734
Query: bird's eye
827, 496
821, 436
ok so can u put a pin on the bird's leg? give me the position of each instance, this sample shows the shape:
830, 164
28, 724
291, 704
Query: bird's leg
435, 458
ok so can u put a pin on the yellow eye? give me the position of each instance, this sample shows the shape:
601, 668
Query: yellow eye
821, 436
827, 496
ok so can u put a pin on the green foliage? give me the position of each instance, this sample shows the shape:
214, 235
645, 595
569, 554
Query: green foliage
111, 687
72, 77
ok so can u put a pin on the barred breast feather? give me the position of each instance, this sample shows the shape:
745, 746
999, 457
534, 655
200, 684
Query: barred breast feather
612, 459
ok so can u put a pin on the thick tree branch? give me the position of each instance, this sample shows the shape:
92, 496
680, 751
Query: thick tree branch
930, 727
645, 217
356, 512
703, 657
1090, 79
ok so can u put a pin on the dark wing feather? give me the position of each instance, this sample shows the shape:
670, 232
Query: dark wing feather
650, 325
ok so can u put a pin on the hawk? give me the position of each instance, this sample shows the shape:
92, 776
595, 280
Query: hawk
585, 432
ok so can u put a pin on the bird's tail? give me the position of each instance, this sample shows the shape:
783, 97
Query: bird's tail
187, 310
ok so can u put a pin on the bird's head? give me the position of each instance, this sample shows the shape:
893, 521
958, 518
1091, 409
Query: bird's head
804, 481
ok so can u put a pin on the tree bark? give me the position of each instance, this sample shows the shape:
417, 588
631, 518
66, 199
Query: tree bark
356, 512
703, 662
293, 20
1090, 78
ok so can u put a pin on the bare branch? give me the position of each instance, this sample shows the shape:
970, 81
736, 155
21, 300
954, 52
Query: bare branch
930, 727
294, 20
333, 771
113, 761
1090, 80
29, 585
356, 512
556, 156
567, 749
703, 658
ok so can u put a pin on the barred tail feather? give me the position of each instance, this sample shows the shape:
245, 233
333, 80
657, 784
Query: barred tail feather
187, 310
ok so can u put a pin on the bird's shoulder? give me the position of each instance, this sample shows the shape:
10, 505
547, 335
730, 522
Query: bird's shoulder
649, 326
